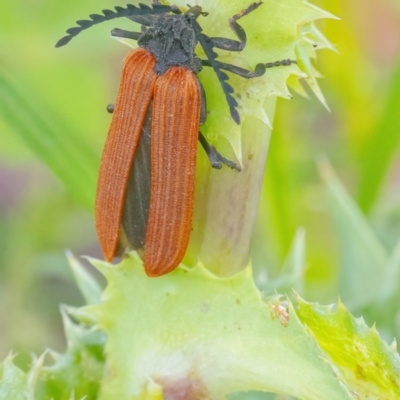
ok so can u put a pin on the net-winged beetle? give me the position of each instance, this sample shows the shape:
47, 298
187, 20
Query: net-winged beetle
145, 191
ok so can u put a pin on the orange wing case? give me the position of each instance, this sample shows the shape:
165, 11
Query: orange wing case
134, 96
174, 134
175, 130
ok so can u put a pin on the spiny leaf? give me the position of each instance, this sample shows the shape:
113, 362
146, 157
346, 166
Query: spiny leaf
371, 367
88, 286
194, 332
79, 371
16, 384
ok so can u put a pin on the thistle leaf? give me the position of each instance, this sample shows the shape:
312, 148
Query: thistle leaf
191, 332
88, 286
370, 367
16, 384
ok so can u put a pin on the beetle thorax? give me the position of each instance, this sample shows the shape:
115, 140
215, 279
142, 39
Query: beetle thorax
172, 40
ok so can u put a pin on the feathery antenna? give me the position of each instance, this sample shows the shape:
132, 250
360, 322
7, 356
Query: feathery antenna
107, 15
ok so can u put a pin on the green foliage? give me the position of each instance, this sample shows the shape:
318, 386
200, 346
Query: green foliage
181, 340
370, 367
363, 256
53, 141
14, 383
382, 145
369, 277
79, 371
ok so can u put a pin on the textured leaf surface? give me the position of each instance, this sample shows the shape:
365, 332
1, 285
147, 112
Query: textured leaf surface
77, 372
16, 384
191, 332
371, 367
74, 375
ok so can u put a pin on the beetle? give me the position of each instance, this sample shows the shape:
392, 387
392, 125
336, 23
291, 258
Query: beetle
145, 191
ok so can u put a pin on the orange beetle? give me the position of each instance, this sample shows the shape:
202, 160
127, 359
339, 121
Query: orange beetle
145, 191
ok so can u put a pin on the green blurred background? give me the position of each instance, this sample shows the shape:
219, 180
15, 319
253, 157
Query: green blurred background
54, 99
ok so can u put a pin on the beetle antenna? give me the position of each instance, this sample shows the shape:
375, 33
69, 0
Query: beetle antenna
120, 12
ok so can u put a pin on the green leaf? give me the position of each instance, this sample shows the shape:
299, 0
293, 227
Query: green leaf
50, 138
382, 145
370, 367
16, 384
369, 280
363, 258
79, 371
87, 284
191, 332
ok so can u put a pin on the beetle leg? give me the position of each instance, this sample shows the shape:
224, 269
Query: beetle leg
216, 158
211, 152
203, 104
235, 45
245, 73
125, 34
